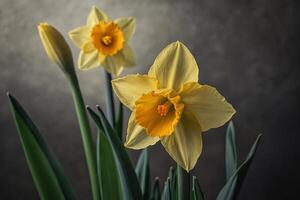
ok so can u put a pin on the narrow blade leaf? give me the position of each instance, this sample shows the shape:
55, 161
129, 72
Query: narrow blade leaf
173, 183
46, 171
155, 194
230, 152
197, 193
107, 170
143, 173
166, 195
233, 185
130, 185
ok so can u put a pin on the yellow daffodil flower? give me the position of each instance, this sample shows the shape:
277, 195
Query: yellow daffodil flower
168, 104
104, 42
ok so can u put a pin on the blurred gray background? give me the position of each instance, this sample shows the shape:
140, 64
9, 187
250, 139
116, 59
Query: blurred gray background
249, 50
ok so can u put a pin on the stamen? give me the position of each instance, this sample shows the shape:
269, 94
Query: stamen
107, 40
164, 108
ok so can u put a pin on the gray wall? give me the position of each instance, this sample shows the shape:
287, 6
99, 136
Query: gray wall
249, 50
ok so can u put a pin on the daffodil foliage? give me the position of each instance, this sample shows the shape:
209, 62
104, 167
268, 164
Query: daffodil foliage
117, 179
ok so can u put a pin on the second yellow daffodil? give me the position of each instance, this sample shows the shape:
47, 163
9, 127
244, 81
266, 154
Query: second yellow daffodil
168, 104
104, 42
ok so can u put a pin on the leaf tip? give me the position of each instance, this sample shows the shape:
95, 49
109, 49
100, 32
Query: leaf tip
100, 110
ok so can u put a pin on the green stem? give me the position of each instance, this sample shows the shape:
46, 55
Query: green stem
183, 181
110, 106
119, 122
86, 135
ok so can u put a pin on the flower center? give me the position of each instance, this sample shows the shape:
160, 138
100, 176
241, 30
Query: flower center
158, 113
164, 108
107, 38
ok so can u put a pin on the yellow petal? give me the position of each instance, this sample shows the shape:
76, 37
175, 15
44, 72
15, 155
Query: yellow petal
136, 136
128, 25
88, 47
174, 66
207, 105
88, 60
95, 16
80, 35
113, 65
126, 56
101, 58
185, 144
132, 87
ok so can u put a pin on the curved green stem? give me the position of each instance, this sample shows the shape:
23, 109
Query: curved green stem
183, 181
110, 106
86, 135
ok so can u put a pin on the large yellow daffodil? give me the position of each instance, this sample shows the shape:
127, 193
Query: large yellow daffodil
170, 105
104, 42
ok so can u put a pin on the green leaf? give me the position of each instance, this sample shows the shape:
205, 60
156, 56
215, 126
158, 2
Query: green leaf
130, 186
143, 173
197, 193
46, 171
173, 182
155, 194
233, 185
107, 171
166, 195
230, 151
119, 122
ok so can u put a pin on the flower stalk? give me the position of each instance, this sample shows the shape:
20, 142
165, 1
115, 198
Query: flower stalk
110, 106
86, 135
183, 181
60, 53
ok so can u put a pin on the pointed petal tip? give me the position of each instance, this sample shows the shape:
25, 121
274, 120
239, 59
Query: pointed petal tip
42, 24
94, 7
178, 43
129, 146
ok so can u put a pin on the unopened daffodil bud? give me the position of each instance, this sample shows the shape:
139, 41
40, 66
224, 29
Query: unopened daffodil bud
56, 47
